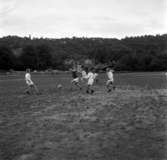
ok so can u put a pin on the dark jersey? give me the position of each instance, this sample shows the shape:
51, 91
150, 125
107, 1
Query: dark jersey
74, 74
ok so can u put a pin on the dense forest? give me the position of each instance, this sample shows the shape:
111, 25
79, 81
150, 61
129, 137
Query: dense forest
143, 53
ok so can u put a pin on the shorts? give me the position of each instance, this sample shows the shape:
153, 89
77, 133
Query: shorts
75, 80
90, 82
109, 82
30, 83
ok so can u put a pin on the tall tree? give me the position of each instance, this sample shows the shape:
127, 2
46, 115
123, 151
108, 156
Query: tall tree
29, 57
6, 58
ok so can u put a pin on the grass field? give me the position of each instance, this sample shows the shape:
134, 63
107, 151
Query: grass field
127, 124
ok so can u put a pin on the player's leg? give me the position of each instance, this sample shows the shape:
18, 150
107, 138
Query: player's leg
88, 89
88, 86
113, 86
36, 89
97, 80
109, 85
91, 89
78, 85
76, 82
72, 83
28, 90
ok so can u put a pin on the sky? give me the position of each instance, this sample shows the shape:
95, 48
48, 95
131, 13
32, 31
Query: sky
83, 18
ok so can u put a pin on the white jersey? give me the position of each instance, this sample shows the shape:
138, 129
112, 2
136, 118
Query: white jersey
110, 76
91, 78
28, 79
90, 75
95, 75
84, 74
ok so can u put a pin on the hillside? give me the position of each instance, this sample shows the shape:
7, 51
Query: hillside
144, 53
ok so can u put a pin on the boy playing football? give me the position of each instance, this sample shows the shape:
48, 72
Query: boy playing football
83, 74
91, 78
75, 77
110, 81
30, 83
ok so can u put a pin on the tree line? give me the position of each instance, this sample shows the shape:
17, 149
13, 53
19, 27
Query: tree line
142, 53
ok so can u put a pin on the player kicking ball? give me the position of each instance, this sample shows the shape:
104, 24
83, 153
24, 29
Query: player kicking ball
30, 84
91, 78
110, 81
75, 77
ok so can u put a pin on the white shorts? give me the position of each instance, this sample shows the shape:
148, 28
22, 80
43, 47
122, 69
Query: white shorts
75, 80
109, 82
90, 82
29, 83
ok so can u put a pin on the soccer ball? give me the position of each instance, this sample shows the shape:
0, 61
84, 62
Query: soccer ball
59, 86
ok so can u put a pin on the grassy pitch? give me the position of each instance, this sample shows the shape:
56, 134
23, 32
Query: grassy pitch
127, 124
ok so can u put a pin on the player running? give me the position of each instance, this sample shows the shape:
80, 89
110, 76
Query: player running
91, 78
83, 74
95, 76
110, 81
75, 77
30, 83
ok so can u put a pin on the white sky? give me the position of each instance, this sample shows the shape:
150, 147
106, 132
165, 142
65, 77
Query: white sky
82, 18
